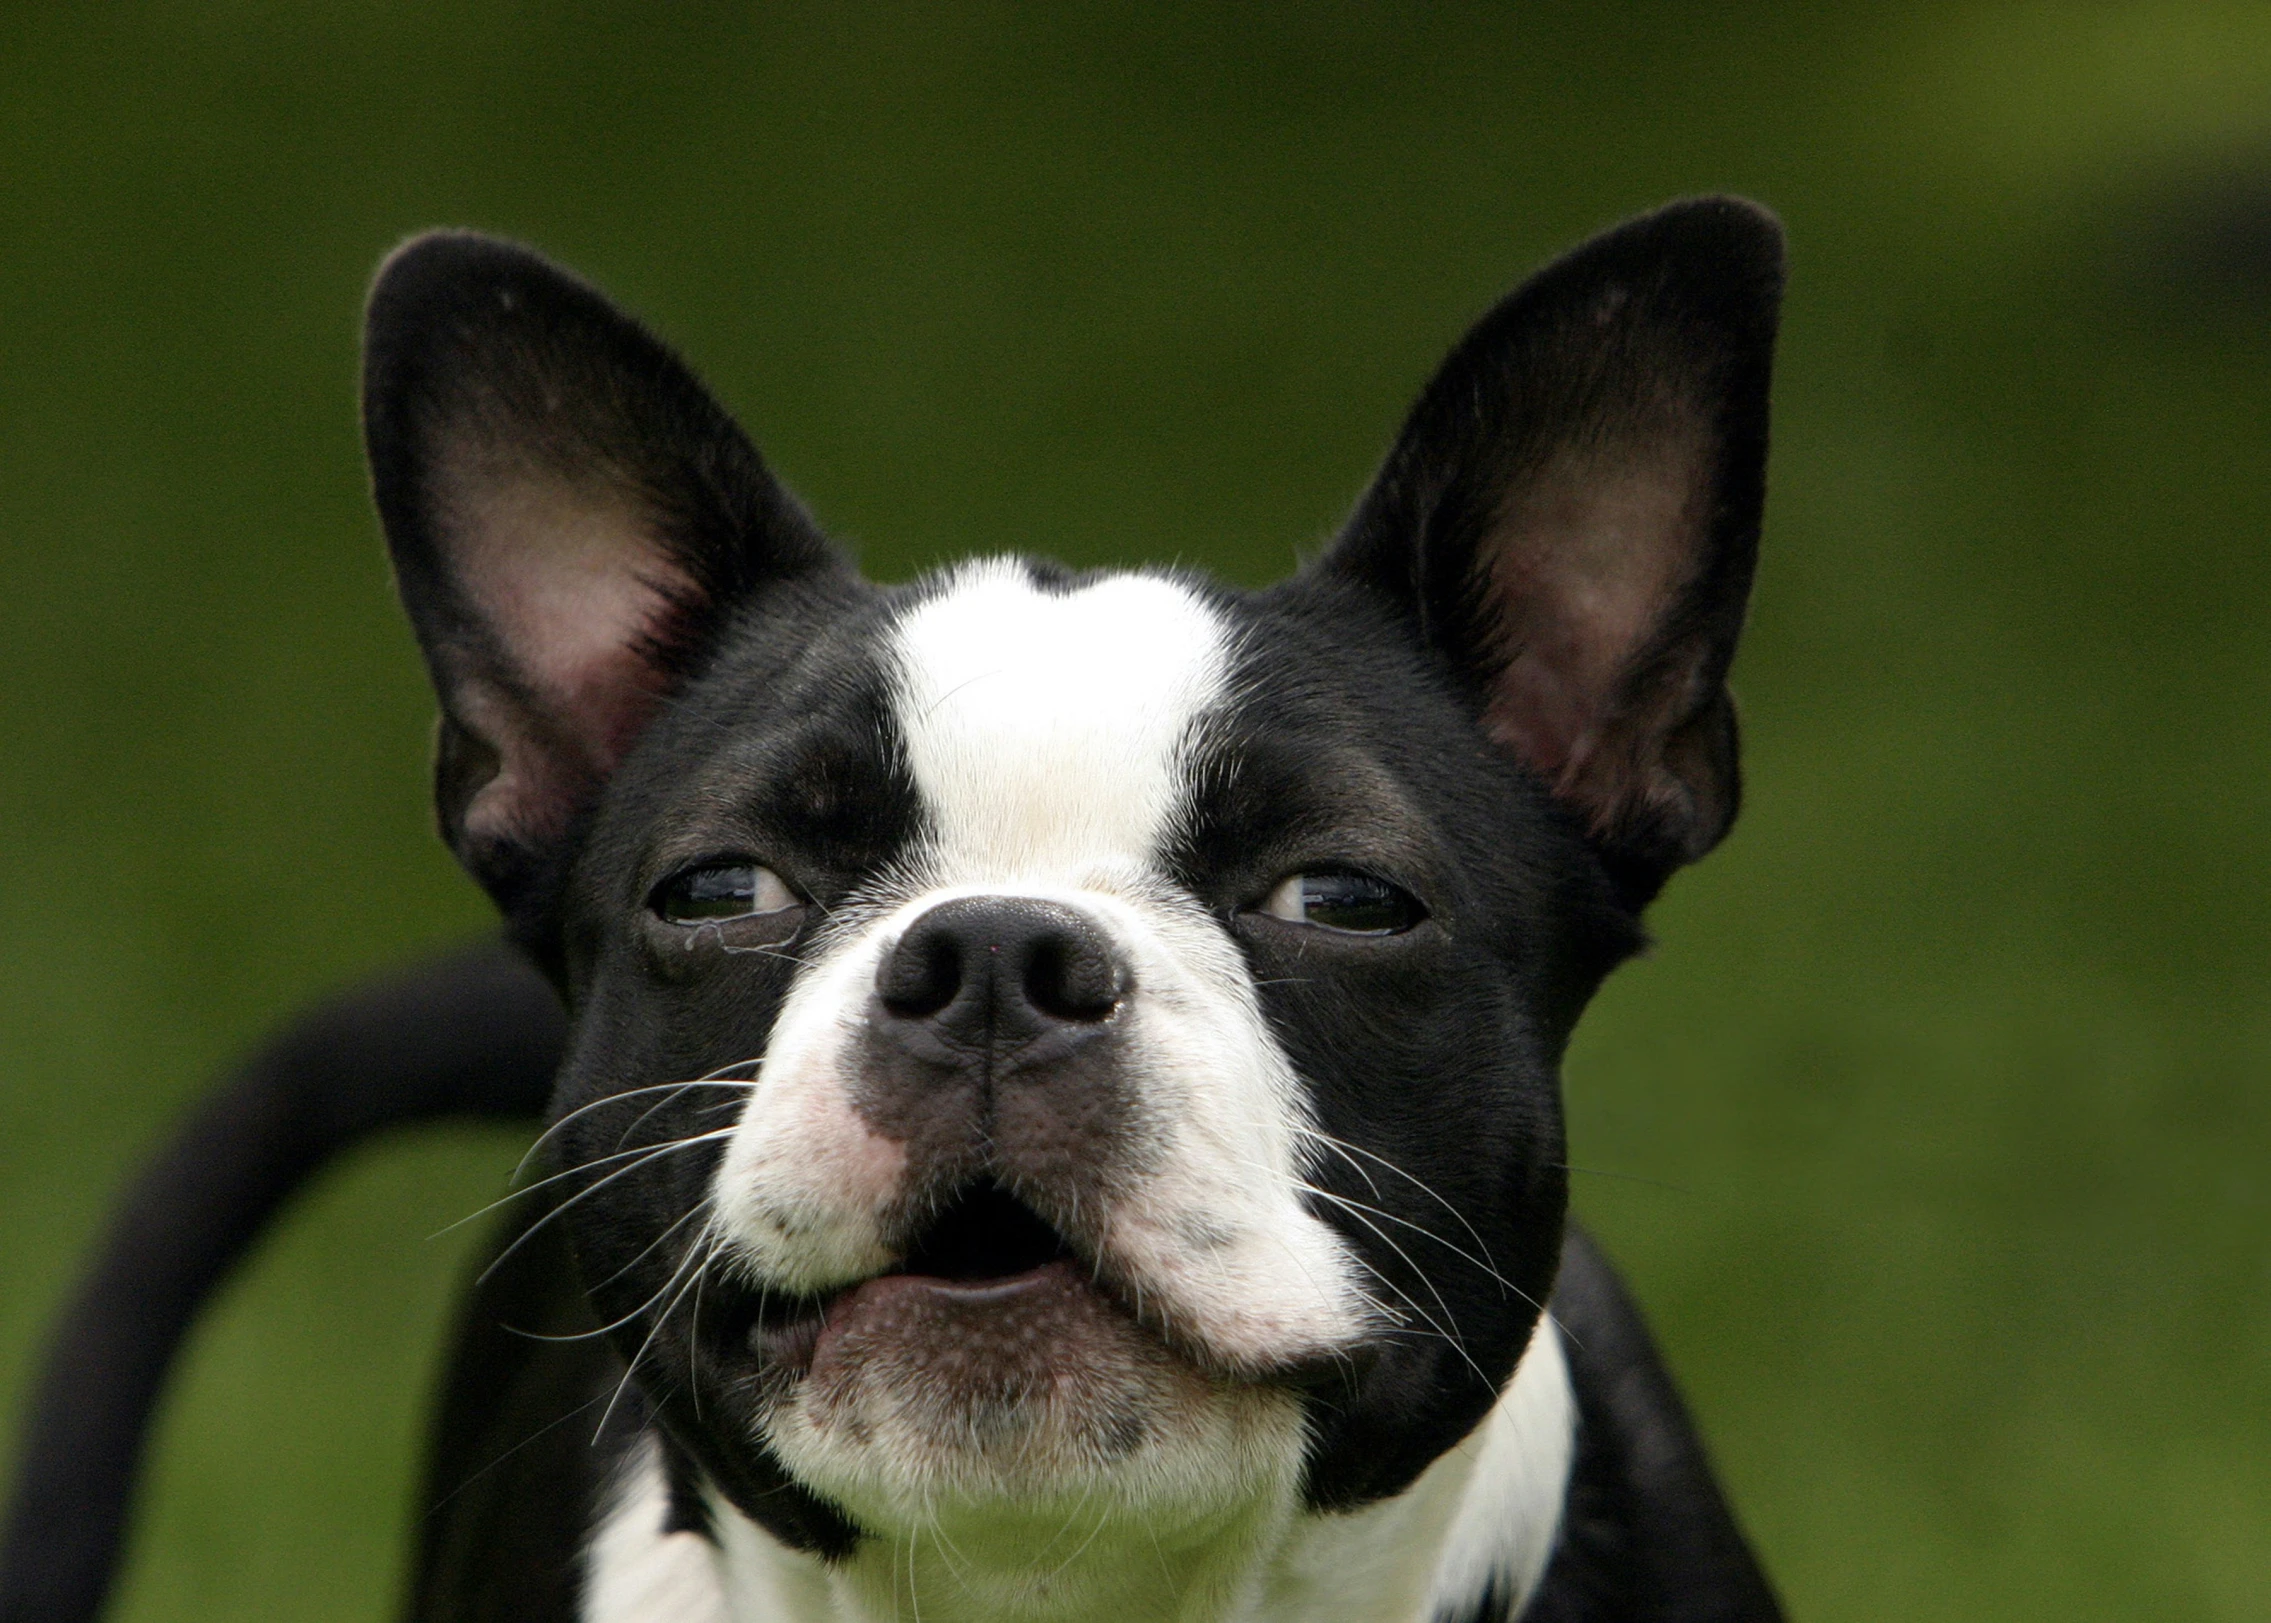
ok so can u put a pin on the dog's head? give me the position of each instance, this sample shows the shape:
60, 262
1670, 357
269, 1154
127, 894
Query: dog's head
1047, 1038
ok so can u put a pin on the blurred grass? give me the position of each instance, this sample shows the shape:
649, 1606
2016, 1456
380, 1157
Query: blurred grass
1934, 1135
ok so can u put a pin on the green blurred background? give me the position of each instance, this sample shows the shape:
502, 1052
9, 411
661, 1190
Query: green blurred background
1934, 1135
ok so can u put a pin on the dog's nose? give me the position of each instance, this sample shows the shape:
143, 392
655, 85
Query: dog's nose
1000, 971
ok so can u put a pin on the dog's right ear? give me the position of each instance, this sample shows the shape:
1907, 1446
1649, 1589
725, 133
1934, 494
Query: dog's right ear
570, 515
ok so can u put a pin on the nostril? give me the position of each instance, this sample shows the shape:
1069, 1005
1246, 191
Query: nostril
921, 976
1066, 978
1001, 969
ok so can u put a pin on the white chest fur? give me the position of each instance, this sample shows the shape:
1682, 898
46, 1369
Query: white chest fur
1489, 1509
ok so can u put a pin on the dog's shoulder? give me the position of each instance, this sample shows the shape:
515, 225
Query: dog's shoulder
523, 1447
1646, 1532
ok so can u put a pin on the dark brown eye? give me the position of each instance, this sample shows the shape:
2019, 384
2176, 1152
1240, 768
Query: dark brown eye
722, 890
1343, 899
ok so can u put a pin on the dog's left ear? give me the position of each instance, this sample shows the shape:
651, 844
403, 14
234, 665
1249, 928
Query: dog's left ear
572, 517
1570, 518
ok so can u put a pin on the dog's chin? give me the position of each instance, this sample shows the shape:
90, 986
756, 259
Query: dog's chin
1010, 1379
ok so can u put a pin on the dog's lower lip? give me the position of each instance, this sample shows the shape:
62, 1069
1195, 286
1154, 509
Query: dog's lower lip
974, 1312
998, 1288
962, 1293
794, 1342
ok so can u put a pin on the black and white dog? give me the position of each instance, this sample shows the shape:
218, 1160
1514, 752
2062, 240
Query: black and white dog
1060, 1114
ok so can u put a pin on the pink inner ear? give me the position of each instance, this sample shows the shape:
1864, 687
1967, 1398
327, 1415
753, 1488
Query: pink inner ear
573, 584
1593, 549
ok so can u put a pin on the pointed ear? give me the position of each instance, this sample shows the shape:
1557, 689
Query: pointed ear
1571, 515
570, 515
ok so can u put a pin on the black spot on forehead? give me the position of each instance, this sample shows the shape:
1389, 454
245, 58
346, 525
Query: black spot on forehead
829, 778
785, 745
1341, 741
1273, 792
1312, 753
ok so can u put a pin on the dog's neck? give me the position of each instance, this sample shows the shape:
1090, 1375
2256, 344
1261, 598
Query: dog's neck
1481, 1519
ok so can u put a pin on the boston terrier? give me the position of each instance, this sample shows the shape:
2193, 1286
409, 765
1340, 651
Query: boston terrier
1058, 1115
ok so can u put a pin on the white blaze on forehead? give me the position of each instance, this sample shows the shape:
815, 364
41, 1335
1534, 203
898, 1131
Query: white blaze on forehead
1045, 730
1048, 735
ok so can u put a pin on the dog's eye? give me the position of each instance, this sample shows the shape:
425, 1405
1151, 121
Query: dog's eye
1340, 899
722, 890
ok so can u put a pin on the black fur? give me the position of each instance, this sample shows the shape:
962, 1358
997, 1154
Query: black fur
476, 1033
1502, 690
1646, 1533
479, 350
521, 1437
1645, 355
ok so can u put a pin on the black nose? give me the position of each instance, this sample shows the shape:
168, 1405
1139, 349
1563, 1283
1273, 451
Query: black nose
1000, 971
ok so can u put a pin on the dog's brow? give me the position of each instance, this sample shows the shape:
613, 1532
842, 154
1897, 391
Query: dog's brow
1048, 731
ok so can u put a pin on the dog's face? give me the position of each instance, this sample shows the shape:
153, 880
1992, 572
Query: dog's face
1046, 1039
1137, 1026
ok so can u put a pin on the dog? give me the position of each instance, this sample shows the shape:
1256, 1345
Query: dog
1058, 1116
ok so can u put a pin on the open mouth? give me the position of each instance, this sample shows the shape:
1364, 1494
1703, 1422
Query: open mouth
984, 1253
984, 1236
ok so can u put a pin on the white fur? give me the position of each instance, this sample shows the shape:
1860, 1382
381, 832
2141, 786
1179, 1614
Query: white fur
1489, 1508
1050, 736
1047, 730
634, 1572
